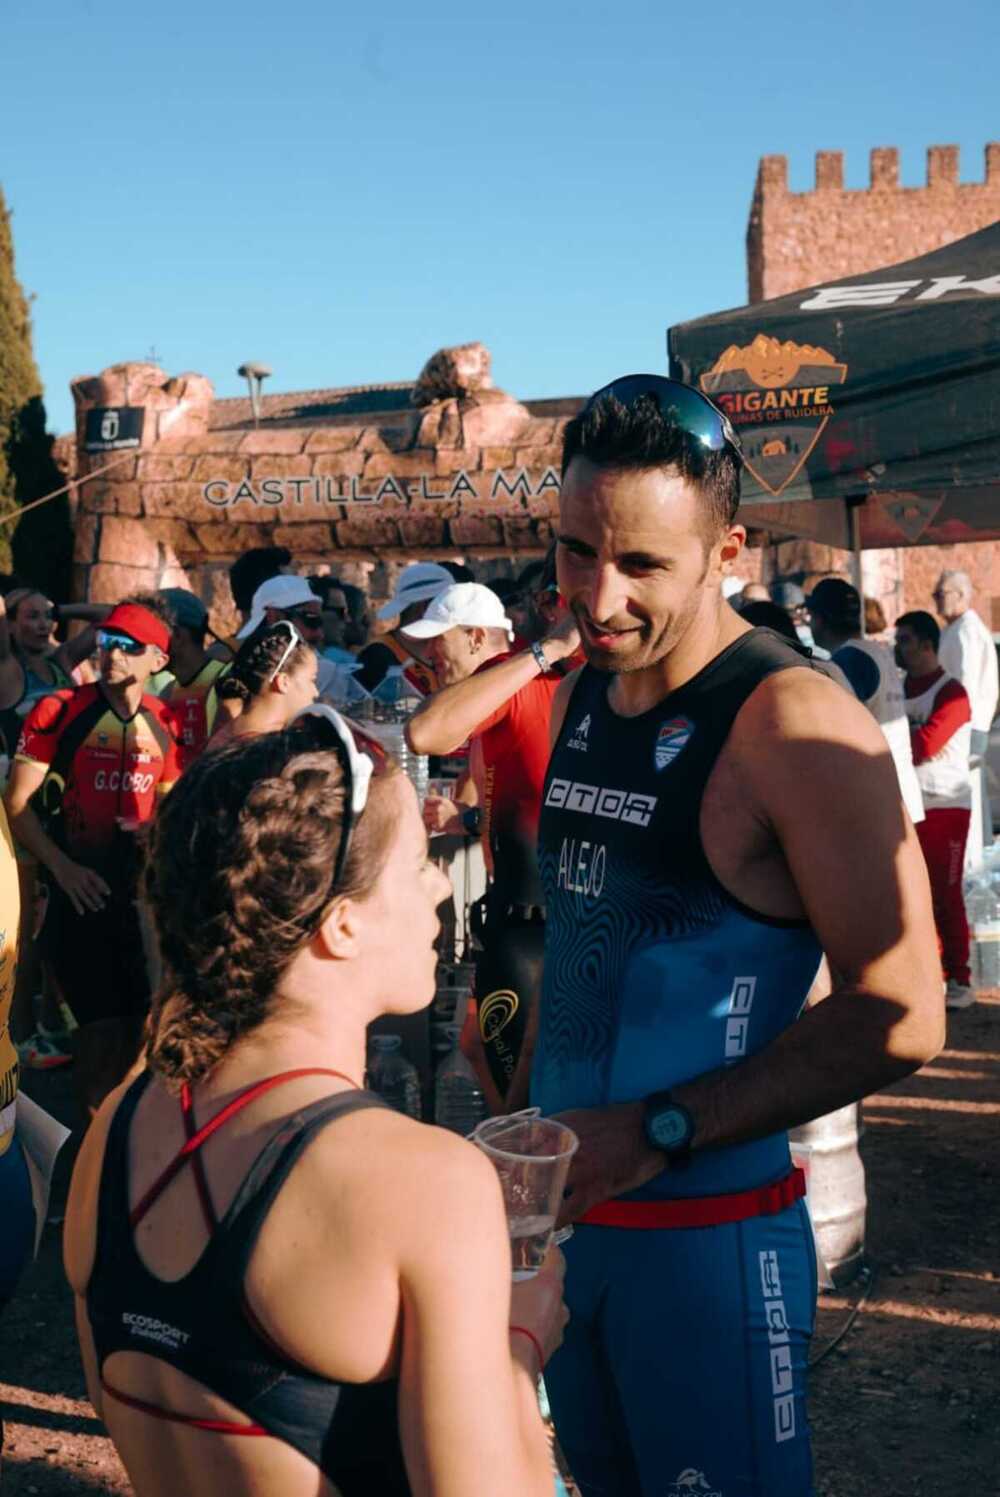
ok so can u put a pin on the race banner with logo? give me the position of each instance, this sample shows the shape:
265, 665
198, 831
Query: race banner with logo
881, 391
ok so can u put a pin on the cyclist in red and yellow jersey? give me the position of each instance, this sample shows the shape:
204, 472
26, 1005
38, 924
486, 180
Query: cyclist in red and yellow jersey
191, 692
101, 756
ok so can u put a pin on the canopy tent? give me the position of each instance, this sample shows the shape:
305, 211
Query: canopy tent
880, 391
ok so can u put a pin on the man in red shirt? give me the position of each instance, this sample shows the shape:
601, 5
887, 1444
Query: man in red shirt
504, 708
938, 708
101, 757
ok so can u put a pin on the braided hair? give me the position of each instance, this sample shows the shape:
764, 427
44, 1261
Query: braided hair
238, 877
258, 659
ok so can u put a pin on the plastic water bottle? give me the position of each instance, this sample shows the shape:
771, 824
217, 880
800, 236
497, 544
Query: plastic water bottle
395, 702
983, 906
392, 1075
459, 1103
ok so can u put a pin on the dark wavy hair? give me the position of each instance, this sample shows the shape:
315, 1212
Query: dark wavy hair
638, 436
257, 661
238, 877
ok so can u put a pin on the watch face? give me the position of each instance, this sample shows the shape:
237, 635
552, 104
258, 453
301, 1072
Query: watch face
670, 1128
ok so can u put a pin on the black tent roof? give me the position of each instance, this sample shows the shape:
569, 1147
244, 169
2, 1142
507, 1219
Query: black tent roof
881, 390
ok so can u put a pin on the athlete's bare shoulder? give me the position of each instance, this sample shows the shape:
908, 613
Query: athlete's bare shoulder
804, 703
560, 703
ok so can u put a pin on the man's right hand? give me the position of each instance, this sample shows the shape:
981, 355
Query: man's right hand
442, 817
563, 640
85, 889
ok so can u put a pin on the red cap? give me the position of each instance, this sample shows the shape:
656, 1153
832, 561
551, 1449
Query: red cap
140, 623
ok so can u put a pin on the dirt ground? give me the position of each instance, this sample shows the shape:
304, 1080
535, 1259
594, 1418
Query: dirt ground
906, 1405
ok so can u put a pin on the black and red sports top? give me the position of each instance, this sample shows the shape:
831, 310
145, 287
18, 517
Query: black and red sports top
103, 770
202, 1323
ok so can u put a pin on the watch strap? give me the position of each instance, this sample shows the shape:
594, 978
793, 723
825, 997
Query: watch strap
539, 656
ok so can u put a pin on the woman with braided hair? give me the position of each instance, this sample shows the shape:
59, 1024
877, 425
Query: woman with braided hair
272, 678
327, 1275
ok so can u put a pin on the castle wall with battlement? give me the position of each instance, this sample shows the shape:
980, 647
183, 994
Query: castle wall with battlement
796, 239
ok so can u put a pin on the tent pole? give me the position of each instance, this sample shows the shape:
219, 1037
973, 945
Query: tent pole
852, 507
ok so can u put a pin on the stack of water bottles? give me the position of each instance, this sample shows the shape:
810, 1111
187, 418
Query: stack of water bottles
982, 903
392, 704
395, 1078
459, 1102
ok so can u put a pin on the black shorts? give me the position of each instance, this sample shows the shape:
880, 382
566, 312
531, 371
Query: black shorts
508, 987
98, 958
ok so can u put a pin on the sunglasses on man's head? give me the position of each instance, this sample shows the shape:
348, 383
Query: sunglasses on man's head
107, 640
686, 407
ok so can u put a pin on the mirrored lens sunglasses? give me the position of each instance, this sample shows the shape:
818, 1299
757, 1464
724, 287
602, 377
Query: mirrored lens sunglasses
688, 408
108, 640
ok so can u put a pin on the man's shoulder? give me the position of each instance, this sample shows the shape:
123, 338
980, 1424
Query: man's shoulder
800, 703
160, 711
950, 689
57, 707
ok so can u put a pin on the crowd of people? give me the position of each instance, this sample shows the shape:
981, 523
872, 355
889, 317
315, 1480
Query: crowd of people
722, 827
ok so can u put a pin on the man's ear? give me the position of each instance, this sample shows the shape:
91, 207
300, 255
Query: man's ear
477, 639
159, 660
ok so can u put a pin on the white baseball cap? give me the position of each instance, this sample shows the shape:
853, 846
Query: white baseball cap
415, 584
277, 592
464, 605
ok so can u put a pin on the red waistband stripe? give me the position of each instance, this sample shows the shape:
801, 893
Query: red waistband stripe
699, 1211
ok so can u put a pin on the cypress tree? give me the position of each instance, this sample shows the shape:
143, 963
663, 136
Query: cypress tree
40, 546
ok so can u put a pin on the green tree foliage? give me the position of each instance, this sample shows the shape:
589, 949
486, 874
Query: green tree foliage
41, 546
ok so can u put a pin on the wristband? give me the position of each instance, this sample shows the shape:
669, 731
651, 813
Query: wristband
520, 1330
472, 820
538, 655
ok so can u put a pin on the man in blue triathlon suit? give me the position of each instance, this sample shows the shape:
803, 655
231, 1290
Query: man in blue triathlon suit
716, 814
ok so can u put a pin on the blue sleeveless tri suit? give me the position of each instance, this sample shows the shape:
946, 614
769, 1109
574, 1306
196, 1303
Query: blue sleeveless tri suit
685, 1356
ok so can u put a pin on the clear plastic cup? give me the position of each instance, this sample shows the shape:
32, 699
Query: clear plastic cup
532, 1155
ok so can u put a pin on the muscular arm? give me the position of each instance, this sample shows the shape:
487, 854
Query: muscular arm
445, 720
821, 783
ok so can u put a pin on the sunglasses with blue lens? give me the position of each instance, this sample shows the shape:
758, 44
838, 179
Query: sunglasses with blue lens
686, 407
108, 640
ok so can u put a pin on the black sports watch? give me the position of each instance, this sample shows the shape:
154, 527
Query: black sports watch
670, 1127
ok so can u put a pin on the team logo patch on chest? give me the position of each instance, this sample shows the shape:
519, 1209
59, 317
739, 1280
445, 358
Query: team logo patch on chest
674, 736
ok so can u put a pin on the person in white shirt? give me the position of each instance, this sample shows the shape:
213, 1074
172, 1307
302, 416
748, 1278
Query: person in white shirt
835, 612
940, 724
969, 654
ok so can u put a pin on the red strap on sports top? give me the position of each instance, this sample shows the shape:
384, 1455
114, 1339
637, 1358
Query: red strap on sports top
700, 1211
200, 1179
216, 1426
195, 1140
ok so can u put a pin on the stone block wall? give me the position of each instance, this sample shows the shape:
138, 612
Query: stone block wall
475, 476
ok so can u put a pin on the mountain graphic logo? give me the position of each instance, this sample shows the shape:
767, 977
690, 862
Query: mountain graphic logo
777, 395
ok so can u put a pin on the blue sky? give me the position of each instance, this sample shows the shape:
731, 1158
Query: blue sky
339, 191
